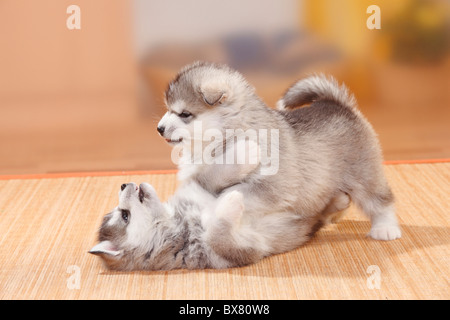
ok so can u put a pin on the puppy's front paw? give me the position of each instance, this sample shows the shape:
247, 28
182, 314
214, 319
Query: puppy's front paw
231, 207
385, 232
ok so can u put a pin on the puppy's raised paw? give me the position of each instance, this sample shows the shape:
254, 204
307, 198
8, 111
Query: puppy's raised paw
231, 207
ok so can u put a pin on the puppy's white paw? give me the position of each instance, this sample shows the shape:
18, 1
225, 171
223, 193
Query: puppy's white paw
234, 197
231, 207
385, 232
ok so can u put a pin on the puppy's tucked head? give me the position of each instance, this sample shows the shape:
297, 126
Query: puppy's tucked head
203, 92
127, 229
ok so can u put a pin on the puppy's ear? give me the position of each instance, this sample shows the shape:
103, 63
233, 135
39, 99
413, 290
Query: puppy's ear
213, 97
106, 249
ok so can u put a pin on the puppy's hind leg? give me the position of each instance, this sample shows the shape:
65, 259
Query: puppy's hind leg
385, 225
223, 235
379, 206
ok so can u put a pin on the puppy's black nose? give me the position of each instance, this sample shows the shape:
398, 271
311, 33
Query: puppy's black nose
161, 130
123, 186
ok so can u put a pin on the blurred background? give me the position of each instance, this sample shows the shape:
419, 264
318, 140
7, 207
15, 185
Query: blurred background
90, 99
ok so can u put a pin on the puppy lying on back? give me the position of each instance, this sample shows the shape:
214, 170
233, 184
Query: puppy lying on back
194, 230
304, 159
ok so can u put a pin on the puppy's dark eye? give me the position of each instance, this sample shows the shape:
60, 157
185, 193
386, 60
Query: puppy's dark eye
185, 114
125, 215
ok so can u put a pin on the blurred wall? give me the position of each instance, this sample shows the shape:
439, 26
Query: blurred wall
193, 21
48, 70
40, 55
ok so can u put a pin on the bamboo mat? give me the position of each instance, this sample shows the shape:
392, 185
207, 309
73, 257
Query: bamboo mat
47, 225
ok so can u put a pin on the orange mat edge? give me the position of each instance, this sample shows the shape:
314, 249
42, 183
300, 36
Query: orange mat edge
168, 171
418, 161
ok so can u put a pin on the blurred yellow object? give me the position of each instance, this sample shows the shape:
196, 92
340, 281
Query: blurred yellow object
343, 23
411, 30
430, 17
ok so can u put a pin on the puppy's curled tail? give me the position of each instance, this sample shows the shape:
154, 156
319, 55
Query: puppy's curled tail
316, 88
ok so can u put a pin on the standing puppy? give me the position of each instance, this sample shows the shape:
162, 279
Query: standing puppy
315, 157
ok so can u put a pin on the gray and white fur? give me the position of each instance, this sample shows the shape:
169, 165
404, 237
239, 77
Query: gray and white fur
327, 150
228, 215
193, 230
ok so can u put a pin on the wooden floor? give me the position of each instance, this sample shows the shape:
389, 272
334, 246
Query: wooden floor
48, 225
